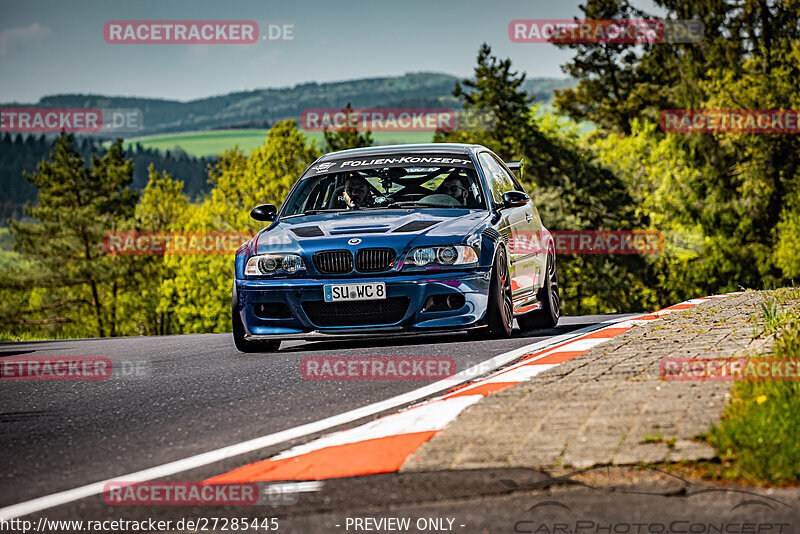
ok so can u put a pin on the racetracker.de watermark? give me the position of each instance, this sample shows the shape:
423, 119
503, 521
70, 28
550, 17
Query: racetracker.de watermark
395, 120
73, 120
588, 242
55, 368
173, 243
180, 493
618, 31
180, 31
196, 31
610, 31
729, 369
71, 368
730, 121
378, 120
377, 367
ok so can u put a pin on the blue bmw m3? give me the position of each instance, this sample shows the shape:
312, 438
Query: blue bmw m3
392, 240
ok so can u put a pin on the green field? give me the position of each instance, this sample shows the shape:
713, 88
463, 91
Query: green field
215, 141
8, 257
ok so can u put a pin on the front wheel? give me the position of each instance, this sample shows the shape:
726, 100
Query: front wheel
548, 295
500, 310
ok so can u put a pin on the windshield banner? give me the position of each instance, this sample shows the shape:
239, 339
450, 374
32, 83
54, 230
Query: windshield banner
395, 160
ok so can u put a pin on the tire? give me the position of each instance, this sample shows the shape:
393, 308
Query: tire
500, 309
548, 295
242, 344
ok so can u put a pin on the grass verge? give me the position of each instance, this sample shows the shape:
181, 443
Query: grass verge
9, 337
758, 438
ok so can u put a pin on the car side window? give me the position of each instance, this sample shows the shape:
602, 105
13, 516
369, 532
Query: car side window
514, 182
499, 180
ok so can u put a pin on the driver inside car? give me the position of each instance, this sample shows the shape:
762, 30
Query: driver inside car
357, 193
456, 187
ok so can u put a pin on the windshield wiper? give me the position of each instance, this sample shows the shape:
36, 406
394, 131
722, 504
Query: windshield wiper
309, 212
387, 206
314, 212
411, 204
393, 205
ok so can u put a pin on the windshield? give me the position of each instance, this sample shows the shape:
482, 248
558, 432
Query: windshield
445, 186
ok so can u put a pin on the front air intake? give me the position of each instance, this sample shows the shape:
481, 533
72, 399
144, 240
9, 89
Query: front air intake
333, 261
357, 313
374, 260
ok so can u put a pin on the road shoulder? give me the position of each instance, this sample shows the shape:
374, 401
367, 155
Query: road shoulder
608, 406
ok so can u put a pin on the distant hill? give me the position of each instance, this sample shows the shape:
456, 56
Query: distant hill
262, 108
210, 121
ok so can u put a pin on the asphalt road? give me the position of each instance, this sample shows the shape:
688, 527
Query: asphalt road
184, 395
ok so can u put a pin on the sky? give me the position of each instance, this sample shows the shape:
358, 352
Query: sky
53, 47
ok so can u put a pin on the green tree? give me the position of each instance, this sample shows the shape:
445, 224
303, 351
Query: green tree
145, 307
495, 92
608, 79
201, 287
787, 250
662, 182
757, 191
77, 206
735, 194
347, 136
570, 190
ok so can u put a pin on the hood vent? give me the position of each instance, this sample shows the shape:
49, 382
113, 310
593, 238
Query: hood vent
415, 226
308, 231
347, 231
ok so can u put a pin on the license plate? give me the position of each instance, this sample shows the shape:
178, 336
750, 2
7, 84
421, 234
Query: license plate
372, 291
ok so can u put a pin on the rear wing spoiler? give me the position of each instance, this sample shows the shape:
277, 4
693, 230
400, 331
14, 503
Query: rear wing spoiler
516, 166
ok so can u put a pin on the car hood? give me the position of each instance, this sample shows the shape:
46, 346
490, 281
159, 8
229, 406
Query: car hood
398, 229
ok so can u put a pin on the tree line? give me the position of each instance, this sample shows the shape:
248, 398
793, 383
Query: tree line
21, 154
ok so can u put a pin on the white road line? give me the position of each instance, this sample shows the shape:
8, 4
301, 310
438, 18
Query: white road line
522, 373
206, 458
424, 418
292, 487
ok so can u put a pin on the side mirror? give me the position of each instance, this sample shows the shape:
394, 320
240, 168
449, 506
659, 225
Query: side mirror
264, 212
513, 199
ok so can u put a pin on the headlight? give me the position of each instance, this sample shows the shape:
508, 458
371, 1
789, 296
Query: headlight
272, 263
449, 255
292, 263
423, 256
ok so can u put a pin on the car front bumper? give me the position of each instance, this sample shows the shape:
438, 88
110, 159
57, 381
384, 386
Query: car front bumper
297, 297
